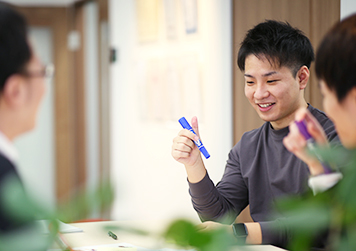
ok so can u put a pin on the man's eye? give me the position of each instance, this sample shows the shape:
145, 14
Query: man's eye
272, 81
249, 82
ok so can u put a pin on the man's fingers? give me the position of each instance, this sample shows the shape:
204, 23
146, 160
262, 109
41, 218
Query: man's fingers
294, 141
183, 147
195, 125
313, 126
177, 155
188, 134
300, 114
315, 129
183, 143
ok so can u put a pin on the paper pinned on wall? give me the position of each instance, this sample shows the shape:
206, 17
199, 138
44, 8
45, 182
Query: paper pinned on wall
156, 90
170, 19
169, 87
190, 9
191, 86
147, 20
174, 90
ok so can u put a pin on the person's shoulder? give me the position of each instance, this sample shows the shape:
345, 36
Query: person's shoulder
319, 115
325, 122
6, 167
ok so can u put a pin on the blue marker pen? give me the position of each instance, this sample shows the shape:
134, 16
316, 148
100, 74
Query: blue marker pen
311, 143
198, 143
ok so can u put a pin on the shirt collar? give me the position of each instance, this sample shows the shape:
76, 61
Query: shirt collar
8, 149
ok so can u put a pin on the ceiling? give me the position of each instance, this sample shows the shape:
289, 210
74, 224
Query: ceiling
42, 2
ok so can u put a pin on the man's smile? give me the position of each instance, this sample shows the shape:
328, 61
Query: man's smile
265, 105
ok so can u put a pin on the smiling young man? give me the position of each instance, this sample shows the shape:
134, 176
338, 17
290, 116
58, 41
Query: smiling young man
275, 59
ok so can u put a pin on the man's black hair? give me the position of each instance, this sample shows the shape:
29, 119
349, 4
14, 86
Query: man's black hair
280, 43
15, 51
336, 58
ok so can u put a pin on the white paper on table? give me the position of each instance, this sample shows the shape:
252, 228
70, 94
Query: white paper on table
67, 228
111, 247
121, 246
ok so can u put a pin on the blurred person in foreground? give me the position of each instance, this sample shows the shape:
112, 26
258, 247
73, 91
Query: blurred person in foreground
22, 87
335, 68
275, 59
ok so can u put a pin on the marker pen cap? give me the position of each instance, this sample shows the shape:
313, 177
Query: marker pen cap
303, 129
185, 123
204, 152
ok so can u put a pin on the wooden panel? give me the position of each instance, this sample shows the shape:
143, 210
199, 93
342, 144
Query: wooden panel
104, 91
79, 92
65, 148
324, 14
103, 10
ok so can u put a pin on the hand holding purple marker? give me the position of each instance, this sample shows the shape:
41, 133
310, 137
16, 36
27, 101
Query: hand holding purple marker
303, 130
198, 143
311, 143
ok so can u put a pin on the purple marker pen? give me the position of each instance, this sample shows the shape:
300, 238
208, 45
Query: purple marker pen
198, 143
311, 143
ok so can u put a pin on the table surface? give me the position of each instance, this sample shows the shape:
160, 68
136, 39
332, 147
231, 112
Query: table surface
95, 234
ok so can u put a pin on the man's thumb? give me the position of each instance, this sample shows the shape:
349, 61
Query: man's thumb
195, 125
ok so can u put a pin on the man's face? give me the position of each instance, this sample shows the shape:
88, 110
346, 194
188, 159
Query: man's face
273, 92
341, 113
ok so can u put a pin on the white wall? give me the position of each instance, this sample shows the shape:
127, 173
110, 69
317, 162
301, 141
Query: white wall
37, 148
91, 73
347, 7
149, 182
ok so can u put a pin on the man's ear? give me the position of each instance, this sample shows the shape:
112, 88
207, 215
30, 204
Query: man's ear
303, 77
13, 92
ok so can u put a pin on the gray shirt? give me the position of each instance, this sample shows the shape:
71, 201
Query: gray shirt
259, 170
